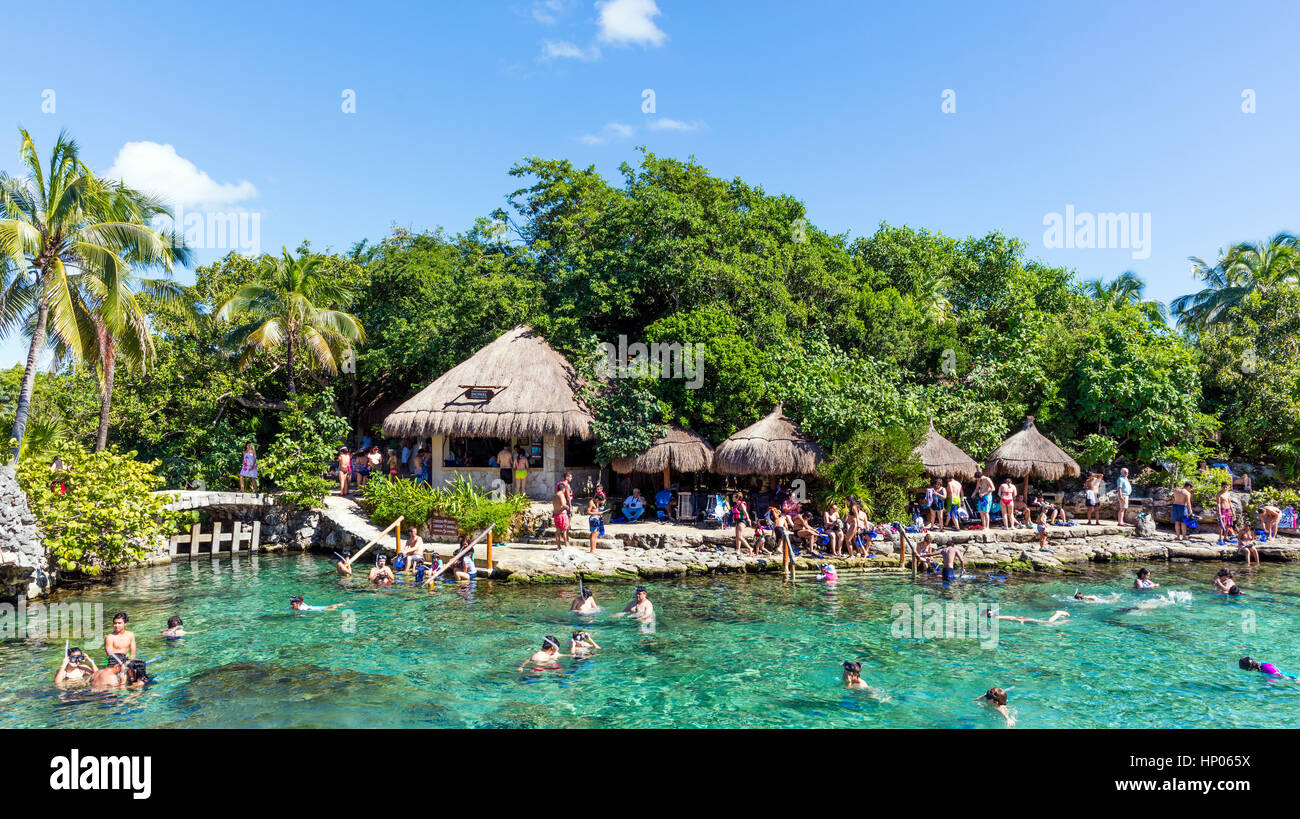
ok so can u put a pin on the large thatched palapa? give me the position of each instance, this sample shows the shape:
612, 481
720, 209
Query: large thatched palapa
773, 446
518, 389
1027, 453
679, 449
944, 459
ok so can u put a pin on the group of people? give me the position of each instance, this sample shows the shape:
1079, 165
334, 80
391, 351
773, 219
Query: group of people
581, 643
944, 505
122, 668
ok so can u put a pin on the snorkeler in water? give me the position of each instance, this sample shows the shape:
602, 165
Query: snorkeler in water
117, 675
545, 658
76, 667
381, 574
344, 566
584, 602
296, 604
996, 698
176, 629
1086, 598
1020, 619
1249, 664
581, 644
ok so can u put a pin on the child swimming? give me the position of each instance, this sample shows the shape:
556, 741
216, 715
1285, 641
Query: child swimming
296, 604
1143, 580
996, 698
1249, 664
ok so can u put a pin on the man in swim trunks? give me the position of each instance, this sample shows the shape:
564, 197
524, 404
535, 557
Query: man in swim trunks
584, 602
413, 549
949, 554
1092, 497
120, 641
117, 675
296, 604
1224, 502
594, 521
1180, 508
381, 574
953, 500
560, 516
506, 466
983, 497
640, 608
76, 667
544, 659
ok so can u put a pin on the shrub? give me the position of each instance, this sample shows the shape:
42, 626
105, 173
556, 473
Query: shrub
878, 468
387, 499
472, 508
108, 516
309, 438
1096, 450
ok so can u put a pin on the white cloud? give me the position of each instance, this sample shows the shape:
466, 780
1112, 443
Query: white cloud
611, 131
159, 170
565, 50
548, 11
666, 124
628, 21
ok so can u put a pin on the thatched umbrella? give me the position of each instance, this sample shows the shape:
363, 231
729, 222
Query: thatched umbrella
944, 459
679, 449
773, 446
1028, 452
516, 387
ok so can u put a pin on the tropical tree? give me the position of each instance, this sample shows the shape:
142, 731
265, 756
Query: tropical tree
61, 226
1126, 289
1245, 270
294, 303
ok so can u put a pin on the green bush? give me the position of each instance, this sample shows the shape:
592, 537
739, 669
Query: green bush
878, 468
1096, 450
309, 438
472, 508
109, 515
387, 499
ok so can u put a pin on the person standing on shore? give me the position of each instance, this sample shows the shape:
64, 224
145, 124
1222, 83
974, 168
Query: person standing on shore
521, 471
594, 520
1007, 498
560, 516
1179, 510
1124, 489
1092, 498
983, 497
248, 469
1224, 502
955, 494
506, 466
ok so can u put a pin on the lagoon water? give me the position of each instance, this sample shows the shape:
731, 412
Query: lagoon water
726, 651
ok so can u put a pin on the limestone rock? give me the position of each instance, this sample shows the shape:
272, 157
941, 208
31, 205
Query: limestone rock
24, 562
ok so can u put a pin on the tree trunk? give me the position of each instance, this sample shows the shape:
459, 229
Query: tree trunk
29, 378
293, 388
108, 361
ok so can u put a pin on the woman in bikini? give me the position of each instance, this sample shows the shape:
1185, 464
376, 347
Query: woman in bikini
834, 527
345, 469
1007, 498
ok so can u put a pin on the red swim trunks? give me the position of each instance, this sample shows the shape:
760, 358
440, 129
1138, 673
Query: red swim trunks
561, 521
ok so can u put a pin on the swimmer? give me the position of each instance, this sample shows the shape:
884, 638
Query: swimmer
1248, 664
120, 641
116, 675
1086, 598
1143, 580
344, 566
545, 657
176, 628
296, 604
828, 574
1020, 619
381, 574
1224, 582
852, 678
584, 602
950, 553
76, 667
581, 644
996, 698
640, 608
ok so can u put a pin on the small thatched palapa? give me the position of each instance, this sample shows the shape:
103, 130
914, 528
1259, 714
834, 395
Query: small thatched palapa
1029, 453
944, 459
773, 446
680, 449
535, 393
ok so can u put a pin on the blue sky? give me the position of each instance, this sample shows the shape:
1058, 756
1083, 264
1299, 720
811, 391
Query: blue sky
1106, 107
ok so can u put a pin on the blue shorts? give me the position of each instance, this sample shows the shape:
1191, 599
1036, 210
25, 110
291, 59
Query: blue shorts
948, 574
986, 503
1179, 513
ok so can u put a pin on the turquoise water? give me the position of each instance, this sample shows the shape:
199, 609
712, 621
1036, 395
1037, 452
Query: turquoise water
727, 651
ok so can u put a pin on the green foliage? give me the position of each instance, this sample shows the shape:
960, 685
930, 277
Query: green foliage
878, 468
389, 498
110, 515
1096, 450
309, 438
1277, 496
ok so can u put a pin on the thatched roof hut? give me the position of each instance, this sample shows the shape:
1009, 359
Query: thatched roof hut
679, 449
944, 459
517, 386
773, 446
1027, 453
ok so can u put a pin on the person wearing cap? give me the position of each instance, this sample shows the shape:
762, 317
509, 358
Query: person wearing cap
584, 602
545, 658
381, 574
1124, 489
640, 608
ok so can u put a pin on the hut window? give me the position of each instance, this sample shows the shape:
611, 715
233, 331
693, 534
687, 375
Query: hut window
578, 452
472, 452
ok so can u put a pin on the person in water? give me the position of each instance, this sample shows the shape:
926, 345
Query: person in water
1086, 598
116, 675
584, 602
381, 574
1022, 619
296, 604
76, 667
1224, 582
344, 566
996, 698
640, 608
119, 640
950, 554
1248, 664
545, 657
176, 628
1144, 581
581, 644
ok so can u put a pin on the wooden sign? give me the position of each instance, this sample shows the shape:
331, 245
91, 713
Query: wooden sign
441, 527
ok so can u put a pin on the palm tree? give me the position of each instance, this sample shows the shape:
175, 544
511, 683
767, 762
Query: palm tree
1127, 289
294, 303
1248, 268
60, 226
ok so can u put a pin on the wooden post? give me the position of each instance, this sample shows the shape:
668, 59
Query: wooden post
458, 555
489, 551
257, 535
216, 537
667, 480
236, 532
195, 534
173, 543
